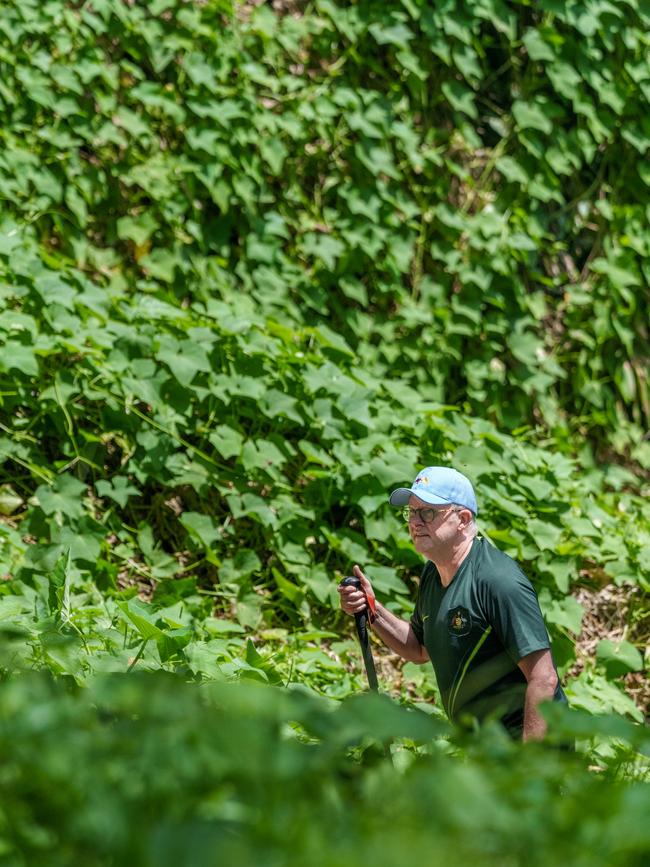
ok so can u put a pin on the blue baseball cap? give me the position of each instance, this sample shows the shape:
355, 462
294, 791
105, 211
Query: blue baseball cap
438, 486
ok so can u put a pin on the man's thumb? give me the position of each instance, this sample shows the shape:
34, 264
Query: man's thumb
366, 586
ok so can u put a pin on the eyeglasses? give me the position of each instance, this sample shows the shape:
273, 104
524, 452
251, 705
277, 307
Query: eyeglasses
426, 515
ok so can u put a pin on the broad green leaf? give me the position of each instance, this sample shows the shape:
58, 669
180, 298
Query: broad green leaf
137, 229
317, 579
618, 657
530, 115
18, 357
323, 247
160, 264
291, 591
597, 695
276, 403
396, 34
564, 78
620, 277
118, 489
65, 496
226, 440
140, 616
460, 97
202, 527
512, 170
314, 453
536, 46
566, 612
545, 535
385, 580
244, 563
184, 358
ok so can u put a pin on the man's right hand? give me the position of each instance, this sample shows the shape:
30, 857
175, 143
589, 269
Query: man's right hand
354, 601
396, 633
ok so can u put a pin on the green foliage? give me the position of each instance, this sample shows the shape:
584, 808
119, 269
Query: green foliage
259, 263
257, 267
147, 770
474, 173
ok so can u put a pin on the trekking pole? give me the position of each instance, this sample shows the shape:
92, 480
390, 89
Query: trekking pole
361, 620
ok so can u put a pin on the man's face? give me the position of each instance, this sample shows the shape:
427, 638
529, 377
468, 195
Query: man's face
436, 537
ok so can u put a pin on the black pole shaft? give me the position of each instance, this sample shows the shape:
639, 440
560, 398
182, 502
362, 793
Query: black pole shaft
361, 621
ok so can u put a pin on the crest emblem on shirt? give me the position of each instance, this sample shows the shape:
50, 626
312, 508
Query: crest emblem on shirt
459, 621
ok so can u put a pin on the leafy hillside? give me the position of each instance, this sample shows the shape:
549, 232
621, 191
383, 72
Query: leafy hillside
260, 264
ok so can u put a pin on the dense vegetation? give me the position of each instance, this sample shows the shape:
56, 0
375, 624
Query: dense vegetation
139, 770
260, 263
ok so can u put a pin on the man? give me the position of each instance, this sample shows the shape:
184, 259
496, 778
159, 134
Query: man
476, 617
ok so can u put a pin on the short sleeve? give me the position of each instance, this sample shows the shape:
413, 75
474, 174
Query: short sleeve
417, 622
512, 609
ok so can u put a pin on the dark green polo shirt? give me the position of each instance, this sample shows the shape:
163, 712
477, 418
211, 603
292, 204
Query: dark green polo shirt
476, 630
